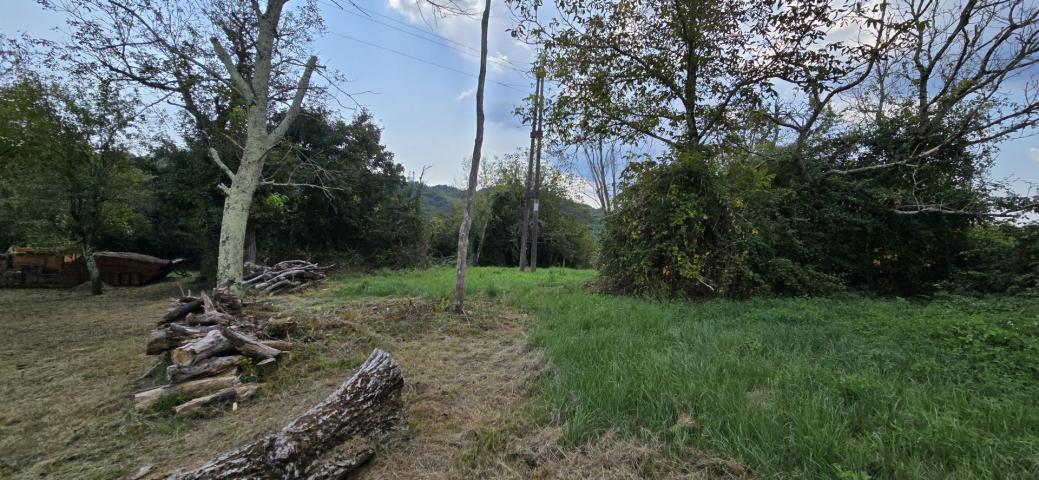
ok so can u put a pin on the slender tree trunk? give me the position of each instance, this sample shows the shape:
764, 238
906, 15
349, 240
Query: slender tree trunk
474, 169
525, 222
534, 222
483, 237
95, 275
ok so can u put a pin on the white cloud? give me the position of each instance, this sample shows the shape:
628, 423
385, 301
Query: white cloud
464, 94
463, 32
1034, 153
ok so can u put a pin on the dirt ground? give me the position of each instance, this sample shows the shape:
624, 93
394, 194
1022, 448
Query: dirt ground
71, 361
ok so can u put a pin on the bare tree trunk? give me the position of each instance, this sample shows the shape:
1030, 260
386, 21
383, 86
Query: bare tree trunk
527, 187
235, 219
474, 169
534, 223
483, 236
95, 275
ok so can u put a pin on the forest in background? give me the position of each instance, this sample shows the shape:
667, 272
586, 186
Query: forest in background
820, 165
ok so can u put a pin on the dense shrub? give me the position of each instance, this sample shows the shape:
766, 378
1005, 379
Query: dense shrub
680, 228
798, 223
998, 258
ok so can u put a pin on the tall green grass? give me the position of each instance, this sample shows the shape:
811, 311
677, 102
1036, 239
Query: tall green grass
845, 387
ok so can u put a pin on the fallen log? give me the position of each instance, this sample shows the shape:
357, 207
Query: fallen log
194, 388
280, 326
282, 345
229, 301
365, 407
205, 368
180, 311
233, 394
248, 345
211, 345
159, 341
209, 318
173, 336
286, 276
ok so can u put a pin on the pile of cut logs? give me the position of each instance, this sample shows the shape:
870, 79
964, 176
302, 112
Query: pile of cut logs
205, 341
283, 277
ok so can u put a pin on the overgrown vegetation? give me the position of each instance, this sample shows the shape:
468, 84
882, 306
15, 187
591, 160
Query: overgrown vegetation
820, 162
566, 237
845, 387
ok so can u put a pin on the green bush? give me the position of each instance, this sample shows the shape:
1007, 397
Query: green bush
680, 229
998, 258
785, 277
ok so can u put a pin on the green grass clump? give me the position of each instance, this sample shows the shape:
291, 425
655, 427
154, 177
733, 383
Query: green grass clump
846, 387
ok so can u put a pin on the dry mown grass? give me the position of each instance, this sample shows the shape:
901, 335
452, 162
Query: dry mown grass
469, 383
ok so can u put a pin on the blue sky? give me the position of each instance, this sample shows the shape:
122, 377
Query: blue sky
427, 111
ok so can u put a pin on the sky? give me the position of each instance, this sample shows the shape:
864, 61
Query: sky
417, 75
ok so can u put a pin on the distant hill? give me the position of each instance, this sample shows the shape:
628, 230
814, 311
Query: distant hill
442, 199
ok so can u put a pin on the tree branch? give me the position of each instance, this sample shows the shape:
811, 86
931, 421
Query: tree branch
238, 81
297, 102
215, 156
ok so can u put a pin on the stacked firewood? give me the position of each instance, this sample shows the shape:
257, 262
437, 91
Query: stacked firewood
283, 277
205, 341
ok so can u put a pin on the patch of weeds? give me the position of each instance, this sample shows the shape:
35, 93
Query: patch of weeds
164, 406
487, 444
247, 371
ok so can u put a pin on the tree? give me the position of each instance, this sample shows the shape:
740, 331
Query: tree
536, 134
603, 161
687, 74
474, 169
223, 61
566, 233
68, 174
365, 207
962, 77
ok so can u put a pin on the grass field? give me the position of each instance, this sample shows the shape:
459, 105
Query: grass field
74, 359
847, 387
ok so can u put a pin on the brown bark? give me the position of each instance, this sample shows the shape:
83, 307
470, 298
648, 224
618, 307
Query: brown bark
534, 222
282, 345
528, 186
194, 388
209, 318
173, 336
211, 345
233, 394
474, 169
248, 345
205, 368
180, 311
367, 406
